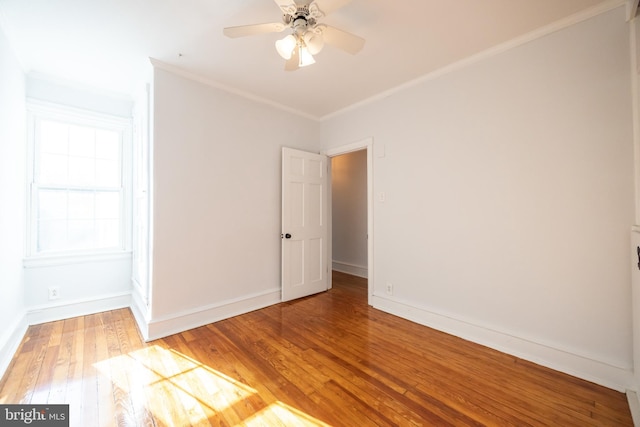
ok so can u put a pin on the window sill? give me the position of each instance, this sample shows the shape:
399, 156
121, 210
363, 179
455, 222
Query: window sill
66, 259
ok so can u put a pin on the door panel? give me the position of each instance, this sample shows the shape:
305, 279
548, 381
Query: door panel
304, 224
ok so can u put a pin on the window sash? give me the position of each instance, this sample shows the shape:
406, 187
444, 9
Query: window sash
73, 224
67, 161
77, 219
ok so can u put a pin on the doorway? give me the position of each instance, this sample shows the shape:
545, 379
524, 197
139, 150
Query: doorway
354, 245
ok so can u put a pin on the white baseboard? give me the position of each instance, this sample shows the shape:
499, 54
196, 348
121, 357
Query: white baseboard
140, 314
179, 322
590, 369
10, 341
76, 308
353, 269
634, 406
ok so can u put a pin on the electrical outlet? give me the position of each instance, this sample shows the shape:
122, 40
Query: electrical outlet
389, 289
54, 292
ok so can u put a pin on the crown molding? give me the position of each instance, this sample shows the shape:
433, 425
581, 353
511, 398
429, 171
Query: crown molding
491, 52
229, 89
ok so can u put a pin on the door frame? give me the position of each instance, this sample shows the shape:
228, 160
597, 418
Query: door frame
364, 144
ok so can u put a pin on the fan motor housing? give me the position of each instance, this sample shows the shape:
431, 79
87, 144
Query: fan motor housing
302, 19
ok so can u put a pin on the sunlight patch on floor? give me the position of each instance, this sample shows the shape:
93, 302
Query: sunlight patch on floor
279, 413
179, 390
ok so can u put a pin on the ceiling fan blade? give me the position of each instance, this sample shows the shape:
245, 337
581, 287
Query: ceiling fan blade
348, 42
288, 7
251, 30
328, 6
293, 63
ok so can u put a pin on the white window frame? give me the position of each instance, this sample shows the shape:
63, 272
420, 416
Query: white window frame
41, 110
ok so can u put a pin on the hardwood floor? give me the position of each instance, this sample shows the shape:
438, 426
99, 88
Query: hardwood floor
325, 359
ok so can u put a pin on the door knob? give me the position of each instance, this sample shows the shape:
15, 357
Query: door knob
287, 236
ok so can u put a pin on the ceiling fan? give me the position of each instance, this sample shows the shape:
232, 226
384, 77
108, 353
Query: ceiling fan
308, 36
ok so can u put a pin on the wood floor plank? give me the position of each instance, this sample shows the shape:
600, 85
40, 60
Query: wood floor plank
328, 359
89, 402
107, 414
130, 341
19, 382
60, 378
276, 380
47, 370
358, 381
73, 393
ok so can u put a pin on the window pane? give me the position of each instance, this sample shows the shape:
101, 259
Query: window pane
107, 205
82, 141
53, 169
81, 234
78, 220
52, 204
78, 186
107, 144
81, 171
81, 205
107, 233
107, 173
53, 137
52, 235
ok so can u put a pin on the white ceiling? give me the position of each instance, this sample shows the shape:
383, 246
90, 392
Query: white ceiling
104, 43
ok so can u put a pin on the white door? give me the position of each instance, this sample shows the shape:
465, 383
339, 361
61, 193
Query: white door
305, 269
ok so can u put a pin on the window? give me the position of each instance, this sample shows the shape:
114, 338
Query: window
78, 187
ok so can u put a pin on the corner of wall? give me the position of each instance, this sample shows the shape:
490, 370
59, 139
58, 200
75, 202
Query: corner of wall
10, 342
634, 406
140, 314
349, 268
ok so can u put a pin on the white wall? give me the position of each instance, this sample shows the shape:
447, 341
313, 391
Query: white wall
12, 200
349, 212
509, 198
216, 186
77, 281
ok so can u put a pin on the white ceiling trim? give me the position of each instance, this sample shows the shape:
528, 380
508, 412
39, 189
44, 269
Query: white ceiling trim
217, 85
488, 53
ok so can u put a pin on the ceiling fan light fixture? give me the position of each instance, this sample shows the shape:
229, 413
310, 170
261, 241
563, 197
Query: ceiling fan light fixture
308, 35
314, 42
286, 46
306, 58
